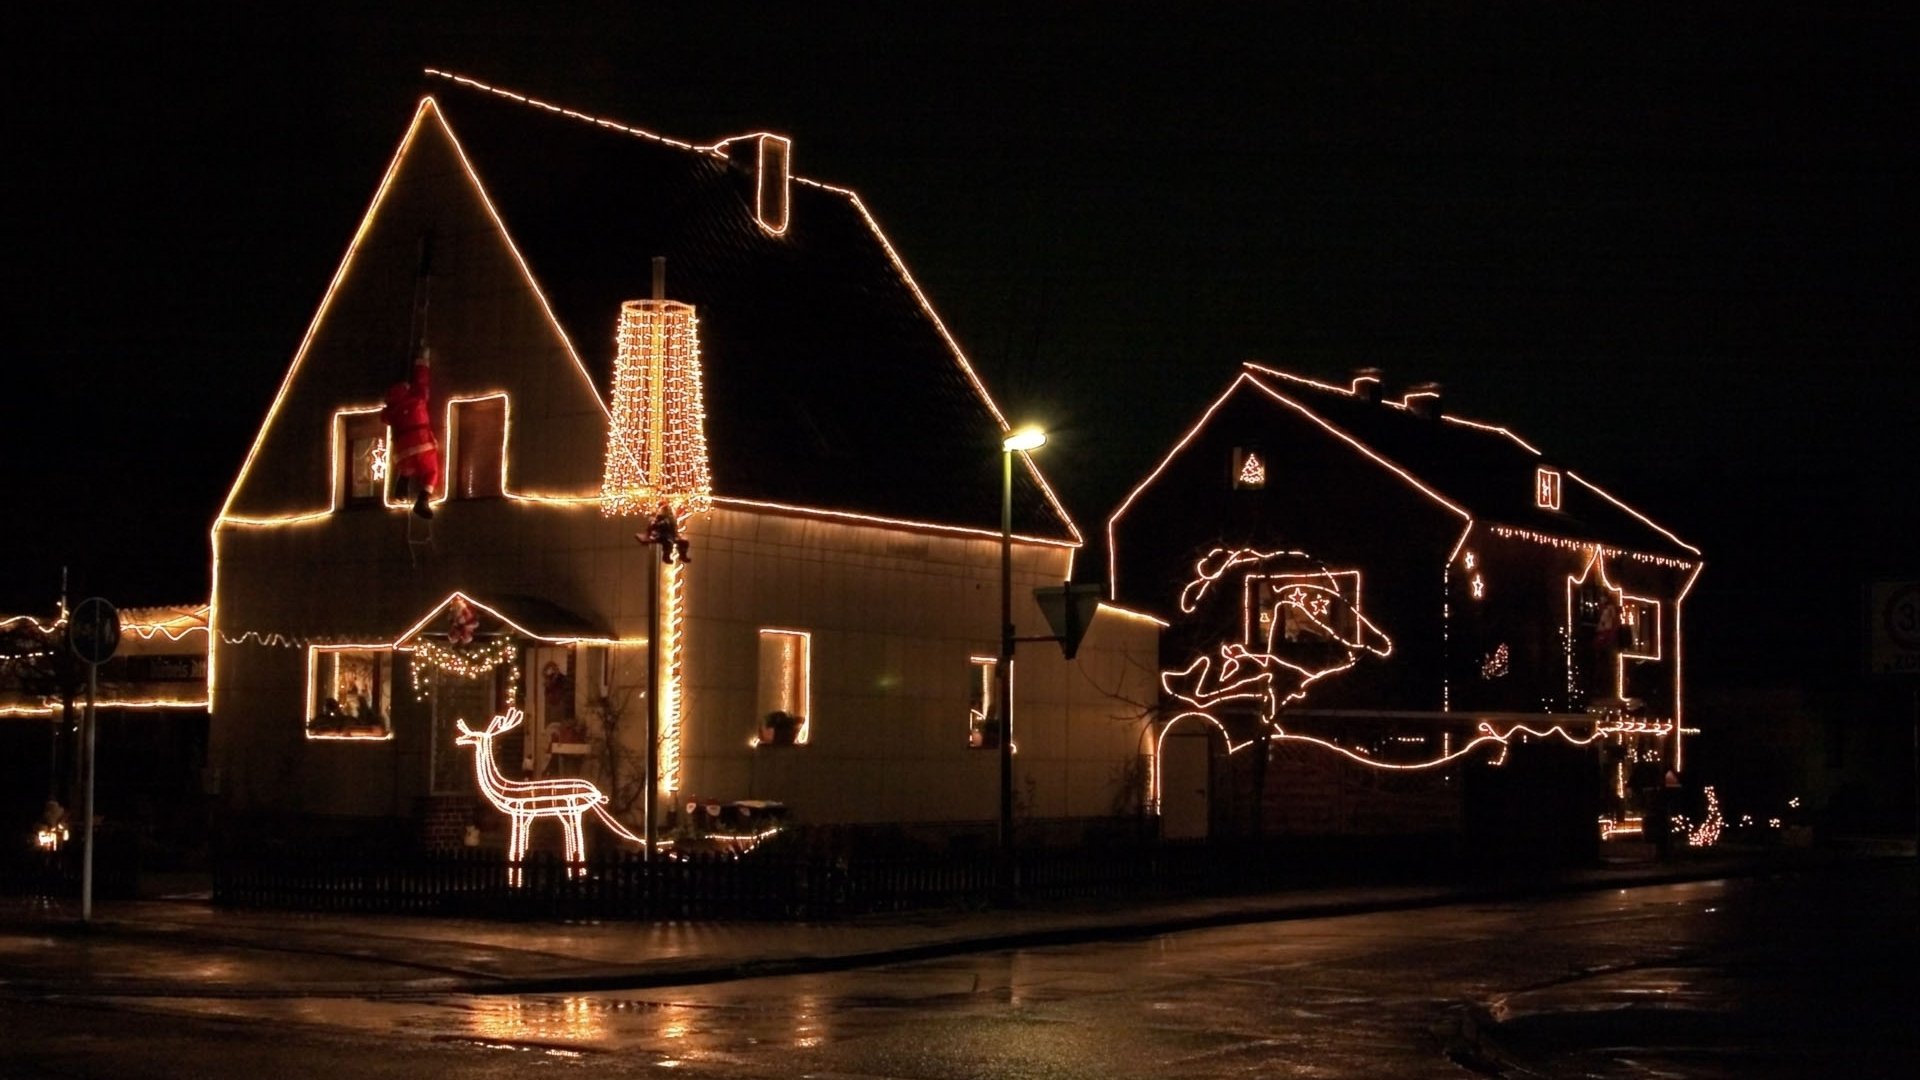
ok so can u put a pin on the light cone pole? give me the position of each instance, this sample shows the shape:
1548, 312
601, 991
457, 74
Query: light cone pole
1027, 438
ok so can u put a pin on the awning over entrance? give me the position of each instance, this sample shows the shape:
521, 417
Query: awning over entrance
523, 616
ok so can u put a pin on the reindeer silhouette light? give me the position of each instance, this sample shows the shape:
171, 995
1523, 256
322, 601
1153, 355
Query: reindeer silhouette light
568, 799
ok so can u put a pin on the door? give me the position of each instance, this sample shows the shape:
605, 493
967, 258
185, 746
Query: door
1186, 768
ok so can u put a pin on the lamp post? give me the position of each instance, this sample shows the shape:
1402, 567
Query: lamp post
1027, 438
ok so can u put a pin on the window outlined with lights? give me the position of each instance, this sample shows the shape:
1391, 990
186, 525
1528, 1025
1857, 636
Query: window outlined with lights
983, 702
360, 443
785, 687
1546, 488
349, 693
478, 430
1314, 606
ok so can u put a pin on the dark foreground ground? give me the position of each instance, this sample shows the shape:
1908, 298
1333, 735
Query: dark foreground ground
1814, 971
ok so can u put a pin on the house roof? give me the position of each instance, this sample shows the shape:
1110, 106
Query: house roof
1482, 469
1482, 472
830, 383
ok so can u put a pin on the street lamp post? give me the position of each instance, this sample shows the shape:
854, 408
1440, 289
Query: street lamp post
1029, 438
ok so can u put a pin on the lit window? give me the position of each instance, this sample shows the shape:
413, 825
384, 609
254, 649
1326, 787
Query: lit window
770, 183
983, 720
1640, 627
1311, 608
1249, 470
350, 694
479, 446
785, 699
363, 457
1546, 488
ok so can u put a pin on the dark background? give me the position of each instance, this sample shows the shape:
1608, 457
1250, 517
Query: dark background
1663, 245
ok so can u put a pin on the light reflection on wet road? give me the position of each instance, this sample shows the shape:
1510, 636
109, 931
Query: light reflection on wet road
1763, 978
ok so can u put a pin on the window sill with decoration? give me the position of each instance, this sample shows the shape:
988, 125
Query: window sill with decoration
780, 729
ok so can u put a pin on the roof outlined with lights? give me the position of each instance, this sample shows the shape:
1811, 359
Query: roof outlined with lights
831, 382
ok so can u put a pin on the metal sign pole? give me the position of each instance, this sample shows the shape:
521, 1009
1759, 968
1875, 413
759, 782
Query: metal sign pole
86, 849
93, 634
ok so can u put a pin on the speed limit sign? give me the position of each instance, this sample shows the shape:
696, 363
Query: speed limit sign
1894, 609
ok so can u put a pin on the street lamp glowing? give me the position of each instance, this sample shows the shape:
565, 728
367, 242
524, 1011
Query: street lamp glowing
1027, 438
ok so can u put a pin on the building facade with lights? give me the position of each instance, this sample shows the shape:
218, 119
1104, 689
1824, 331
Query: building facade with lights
826, 637
1373, 603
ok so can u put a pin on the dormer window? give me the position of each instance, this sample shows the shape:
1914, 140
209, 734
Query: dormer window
479, 428
1546, 488
361, 468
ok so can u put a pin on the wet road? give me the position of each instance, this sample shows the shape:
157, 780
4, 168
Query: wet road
1762, 978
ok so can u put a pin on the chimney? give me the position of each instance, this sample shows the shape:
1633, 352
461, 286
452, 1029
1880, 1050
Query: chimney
1423, 400
766, 158
1366, 383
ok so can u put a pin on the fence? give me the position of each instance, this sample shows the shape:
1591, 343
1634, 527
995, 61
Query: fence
624, 885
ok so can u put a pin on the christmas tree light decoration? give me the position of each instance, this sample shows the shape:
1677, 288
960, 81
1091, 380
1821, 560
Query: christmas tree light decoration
1253, 472
1495, 664
1707, 832
523, 801
657, 444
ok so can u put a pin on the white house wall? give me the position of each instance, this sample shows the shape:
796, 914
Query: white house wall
894, 617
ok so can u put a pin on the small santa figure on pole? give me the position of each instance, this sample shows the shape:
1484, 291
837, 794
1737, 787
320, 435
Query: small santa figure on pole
415, 455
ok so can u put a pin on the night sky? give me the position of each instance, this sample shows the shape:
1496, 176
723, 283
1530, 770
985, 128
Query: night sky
1663, 246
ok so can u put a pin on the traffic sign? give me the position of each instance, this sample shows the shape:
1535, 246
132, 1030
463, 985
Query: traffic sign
1069, 610
1894, 610
93, 630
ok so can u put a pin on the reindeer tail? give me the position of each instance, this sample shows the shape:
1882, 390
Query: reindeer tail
613, 823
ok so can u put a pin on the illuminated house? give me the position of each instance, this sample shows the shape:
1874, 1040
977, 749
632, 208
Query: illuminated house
1384, 596
831, 457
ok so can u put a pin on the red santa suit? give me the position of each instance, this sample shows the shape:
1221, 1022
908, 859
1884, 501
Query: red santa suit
415, 452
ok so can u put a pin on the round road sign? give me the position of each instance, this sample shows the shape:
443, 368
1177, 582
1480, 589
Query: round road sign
93, 630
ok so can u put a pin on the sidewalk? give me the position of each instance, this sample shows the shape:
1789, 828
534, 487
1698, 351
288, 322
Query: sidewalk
186, 948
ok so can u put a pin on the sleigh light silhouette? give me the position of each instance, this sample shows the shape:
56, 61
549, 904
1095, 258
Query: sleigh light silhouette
568, 799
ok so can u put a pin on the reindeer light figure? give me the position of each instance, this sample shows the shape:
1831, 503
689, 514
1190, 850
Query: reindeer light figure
569, 800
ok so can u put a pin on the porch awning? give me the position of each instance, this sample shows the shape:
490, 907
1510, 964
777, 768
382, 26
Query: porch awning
521, 616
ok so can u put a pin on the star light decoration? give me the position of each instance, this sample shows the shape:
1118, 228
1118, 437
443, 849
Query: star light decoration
657, 444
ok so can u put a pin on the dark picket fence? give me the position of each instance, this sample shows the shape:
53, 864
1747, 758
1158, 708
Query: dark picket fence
626, 886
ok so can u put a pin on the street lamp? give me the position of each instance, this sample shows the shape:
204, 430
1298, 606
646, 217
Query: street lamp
1026, 438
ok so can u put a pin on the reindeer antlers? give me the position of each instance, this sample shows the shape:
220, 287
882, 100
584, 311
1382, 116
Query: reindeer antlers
498, 724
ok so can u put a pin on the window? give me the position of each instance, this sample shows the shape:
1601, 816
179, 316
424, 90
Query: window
1546, 488
1311, 607
983, 705
1249, 470
1639, 627
786, 690
479, 447
350, 694
362, 468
